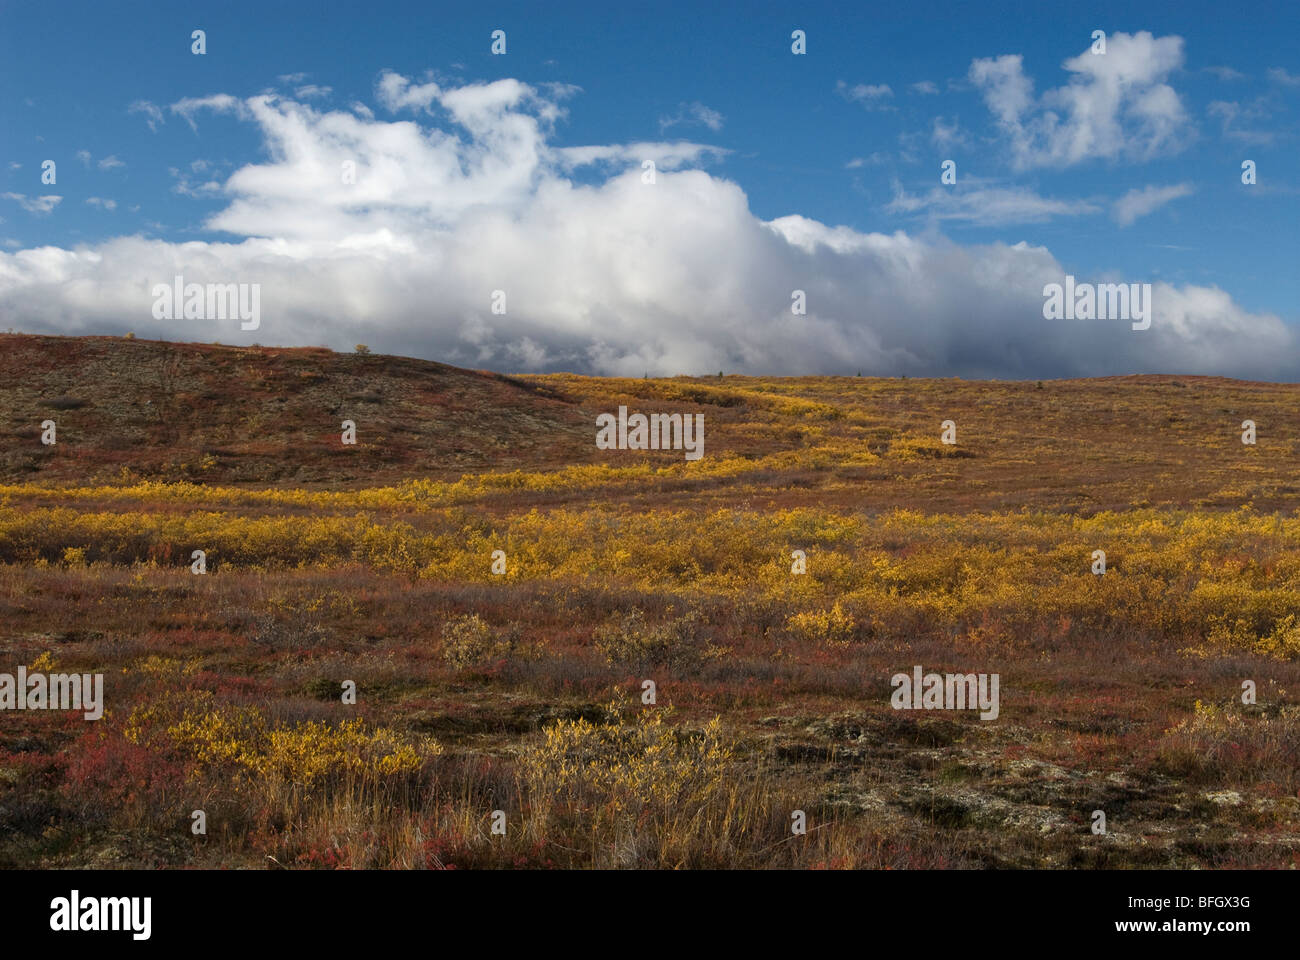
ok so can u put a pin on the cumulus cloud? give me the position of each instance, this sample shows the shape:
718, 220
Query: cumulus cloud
1138, 203
1116, 105
102, 203
396, 92
464, 193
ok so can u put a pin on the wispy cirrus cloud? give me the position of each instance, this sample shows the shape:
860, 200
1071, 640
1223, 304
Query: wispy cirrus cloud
983, 205
693, 113
1141, 202
1227, 74
1233, 113
153, 114
188, 107
36, 205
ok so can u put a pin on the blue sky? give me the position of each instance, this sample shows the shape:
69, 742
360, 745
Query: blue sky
1136, 178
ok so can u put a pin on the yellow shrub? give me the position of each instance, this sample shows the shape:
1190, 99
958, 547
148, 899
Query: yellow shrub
238, 740
834, 626
645, 766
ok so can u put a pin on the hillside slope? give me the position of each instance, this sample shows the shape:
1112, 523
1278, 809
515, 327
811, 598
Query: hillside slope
129, 410
221, 414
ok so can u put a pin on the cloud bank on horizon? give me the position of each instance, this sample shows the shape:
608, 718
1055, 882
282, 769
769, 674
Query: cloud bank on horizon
460, 190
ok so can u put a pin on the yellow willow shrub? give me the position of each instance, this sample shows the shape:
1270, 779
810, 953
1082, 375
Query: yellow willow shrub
1230, 578
311, 751
559, 542
834, 627
240, 541
1237, 615
167, 668
1283, 643
45, 662
233, 739
185, 492
208, 734
646, 770
423, 495
814, 527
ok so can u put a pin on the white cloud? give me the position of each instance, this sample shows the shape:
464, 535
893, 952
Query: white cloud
312, 91
871, 96
217, 103
396, 92
986, 206
1226, 74
109, 163
188, 188
608, 275
1231, 112
1139, 203
153, 114
84, 157
944, 134
925, 87
37, 205
1279, 75
102, 203
693, 113
666, 156
1116, 105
